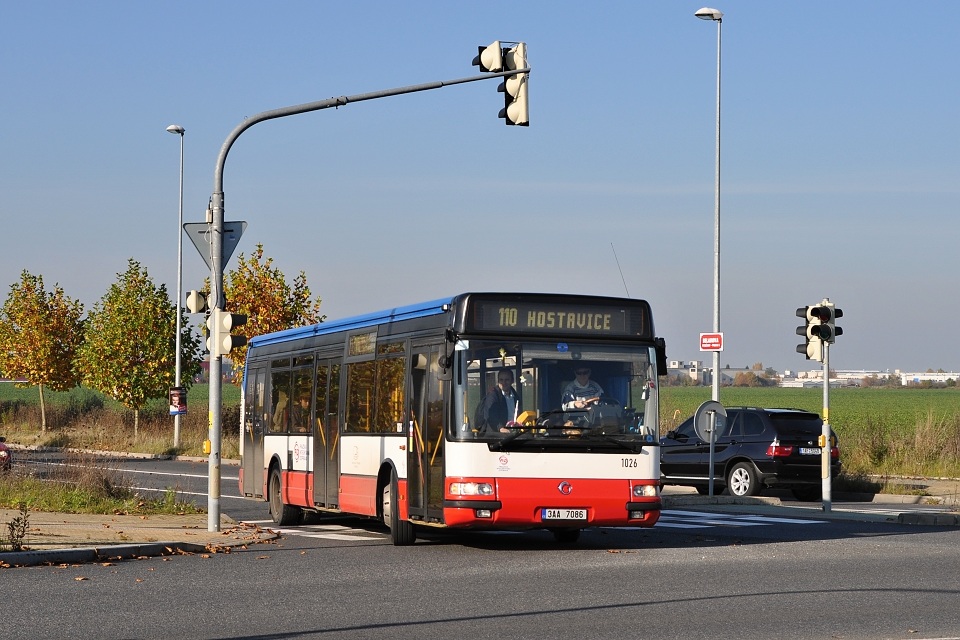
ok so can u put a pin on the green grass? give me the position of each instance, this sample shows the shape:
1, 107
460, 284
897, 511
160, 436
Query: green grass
83, 486
85, 419
198, 397
881, 431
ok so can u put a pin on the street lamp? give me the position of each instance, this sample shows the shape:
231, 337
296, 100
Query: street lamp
177, 129
707, 13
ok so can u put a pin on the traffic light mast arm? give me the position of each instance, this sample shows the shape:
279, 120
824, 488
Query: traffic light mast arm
337, 102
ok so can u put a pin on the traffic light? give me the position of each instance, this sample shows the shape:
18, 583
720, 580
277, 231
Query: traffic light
516, 109
490, 57
220, 341
196, 302
826, 313
813, 347
496, 58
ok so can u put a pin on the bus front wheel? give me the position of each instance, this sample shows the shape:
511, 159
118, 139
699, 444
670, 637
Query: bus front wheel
282, 514
401, 531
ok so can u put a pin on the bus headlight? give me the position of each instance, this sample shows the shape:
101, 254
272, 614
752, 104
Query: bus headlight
471, 489
645, 490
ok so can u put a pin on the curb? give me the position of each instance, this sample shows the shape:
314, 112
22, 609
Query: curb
930, 519
82, 555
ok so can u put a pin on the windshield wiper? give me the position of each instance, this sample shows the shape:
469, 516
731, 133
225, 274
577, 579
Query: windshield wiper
502, 442
633, 446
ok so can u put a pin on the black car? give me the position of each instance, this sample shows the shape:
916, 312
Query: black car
757, 448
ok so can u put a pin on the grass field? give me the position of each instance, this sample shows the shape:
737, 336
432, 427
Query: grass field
85, 419
881, 431
912, 432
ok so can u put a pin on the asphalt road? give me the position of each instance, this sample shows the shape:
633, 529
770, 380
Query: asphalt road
694, 575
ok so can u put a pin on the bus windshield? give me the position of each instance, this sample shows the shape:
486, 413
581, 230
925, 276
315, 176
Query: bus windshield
568, 394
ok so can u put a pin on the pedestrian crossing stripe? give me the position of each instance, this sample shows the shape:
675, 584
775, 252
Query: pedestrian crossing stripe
324, 531
678, 519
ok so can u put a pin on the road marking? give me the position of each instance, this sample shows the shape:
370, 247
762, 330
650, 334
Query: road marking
323, 531
701, 520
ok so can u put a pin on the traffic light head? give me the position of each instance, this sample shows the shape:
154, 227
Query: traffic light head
516, 110
220, 341
825, 315
490, 57
196, 302
812, 349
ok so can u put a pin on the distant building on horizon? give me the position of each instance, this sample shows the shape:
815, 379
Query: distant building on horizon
703, 375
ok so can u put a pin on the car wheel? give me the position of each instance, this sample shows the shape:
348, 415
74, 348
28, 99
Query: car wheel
401, 531
282, 514
742, 480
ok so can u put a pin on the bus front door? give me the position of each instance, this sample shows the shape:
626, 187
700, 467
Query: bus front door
425, 443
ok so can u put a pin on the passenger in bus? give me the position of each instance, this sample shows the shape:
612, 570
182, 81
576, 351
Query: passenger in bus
582, 393
279, 422
499, 406
301, 414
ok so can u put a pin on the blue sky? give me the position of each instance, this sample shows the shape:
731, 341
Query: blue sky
840, 158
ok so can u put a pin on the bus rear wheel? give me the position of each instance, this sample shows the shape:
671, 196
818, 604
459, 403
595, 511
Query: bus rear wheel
401, 531
282, 514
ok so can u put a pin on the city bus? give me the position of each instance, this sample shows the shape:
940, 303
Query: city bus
378, 416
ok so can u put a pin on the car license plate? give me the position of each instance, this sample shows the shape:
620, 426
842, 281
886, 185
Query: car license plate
810, 451
563, 514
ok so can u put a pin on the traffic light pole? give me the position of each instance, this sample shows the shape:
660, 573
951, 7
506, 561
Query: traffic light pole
216, 258
825, 441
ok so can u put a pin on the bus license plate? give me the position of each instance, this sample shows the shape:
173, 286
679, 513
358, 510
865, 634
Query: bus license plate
810, 451
563, 514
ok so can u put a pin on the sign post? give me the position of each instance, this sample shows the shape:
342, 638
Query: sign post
705, 423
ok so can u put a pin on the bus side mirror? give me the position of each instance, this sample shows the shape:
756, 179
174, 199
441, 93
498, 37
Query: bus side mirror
445, 359
660, 345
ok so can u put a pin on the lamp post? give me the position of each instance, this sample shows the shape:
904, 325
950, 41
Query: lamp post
707, 13
177, 129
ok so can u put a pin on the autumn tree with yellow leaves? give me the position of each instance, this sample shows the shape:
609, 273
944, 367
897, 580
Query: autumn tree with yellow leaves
129, 352
40, 332
260, 291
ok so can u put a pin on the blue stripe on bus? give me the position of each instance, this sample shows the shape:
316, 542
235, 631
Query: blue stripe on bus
420, 310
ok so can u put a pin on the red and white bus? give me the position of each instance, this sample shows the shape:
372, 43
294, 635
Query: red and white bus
380, 415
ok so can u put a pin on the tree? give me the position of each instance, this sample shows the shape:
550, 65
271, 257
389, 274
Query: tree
260, 291
40, 333
130, 349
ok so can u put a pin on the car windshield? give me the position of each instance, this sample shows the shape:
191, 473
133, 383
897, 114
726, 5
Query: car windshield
530, 393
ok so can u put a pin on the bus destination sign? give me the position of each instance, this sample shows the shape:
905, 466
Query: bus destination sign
503, 316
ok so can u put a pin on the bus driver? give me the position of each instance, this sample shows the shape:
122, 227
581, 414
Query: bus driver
582, 392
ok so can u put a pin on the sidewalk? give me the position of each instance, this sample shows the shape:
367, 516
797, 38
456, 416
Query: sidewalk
58, 538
